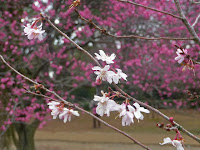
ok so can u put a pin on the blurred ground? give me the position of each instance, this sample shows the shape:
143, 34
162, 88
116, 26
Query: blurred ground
79, 133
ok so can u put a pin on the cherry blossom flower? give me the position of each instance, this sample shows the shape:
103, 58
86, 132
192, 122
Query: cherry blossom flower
118, 76
126, 112
53, 104
137, 111
182, 53
103, 74
104, 57
175, 143
56, 108
67, 114
105, 105
184, 59
33, 31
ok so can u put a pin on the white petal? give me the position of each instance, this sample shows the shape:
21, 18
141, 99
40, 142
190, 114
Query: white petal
177, 144
137, 106
97, 98
123, 75
40, 37
112, 56
96, 68
137, 114
116, 79
106, 68
131, 108
166, 141
31, 36
102, 53
69, 117
75, 113
98, 56
124, 118
65, 118
181, 60
142, 109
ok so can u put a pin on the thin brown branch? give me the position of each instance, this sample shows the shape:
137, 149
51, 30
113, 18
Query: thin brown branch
77, 46
89, 113
70, 104
17, 71
104, 31
141, 103
125, 95
160, 11
196, 20
186, 22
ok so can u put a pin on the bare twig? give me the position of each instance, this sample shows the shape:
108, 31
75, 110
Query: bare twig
186, 22
196, 20
104, 31
160, 11
77, 46
17, 71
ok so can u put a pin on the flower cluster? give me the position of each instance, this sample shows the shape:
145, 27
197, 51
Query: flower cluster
178, 140
126, 110
58, 109
33, 31
105, 74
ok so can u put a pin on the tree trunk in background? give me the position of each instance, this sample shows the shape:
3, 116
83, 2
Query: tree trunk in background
26, 134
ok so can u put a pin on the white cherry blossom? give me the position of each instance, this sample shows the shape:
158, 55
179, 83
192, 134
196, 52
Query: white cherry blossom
103, 74
56, 108
126, 112
181, 55
33, 31
138, 110
102, 56
67, 114
175, 143
105, 105
118, 76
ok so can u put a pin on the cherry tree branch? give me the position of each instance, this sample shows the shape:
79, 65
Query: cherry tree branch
104, 31
126, 95
181, 128
196, 20
77, 46
70, 104
186, 22
160, 11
